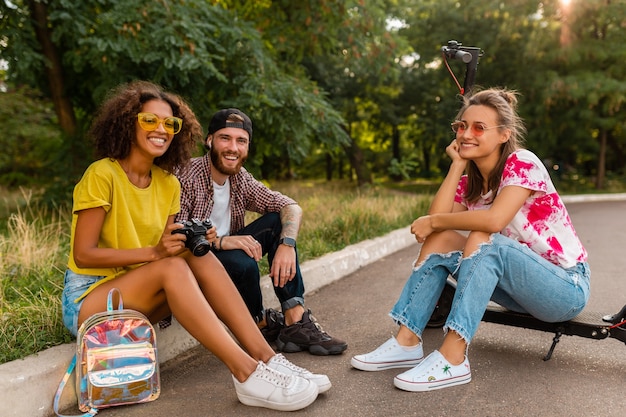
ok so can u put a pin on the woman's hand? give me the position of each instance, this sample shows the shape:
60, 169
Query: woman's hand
170, 244
452, 150
211, 234
422, 228
211, 237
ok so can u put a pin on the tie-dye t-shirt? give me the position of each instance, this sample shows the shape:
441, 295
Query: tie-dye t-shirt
542, 223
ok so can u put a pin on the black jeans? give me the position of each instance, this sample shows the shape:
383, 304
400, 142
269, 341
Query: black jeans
244, 271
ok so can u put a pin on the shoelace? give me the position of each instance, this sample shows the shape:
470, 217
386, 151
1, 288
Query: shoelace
280, 358
430, 365
318, 326
273, 317
275, 377
379, 352
439, 366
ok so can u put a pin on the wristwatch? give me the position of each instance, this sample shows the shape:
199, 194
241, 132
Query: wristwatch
287, 241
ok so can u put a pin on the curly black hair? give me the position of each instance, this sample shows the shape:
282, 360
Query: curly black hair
113, 129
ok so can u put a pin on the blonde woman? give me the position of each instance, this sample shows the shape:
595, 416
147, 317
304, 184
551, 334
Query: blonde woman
521, 251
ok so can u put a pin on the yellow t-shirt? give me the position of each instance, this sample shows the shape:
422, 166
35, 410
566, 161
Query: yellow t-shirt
135, 217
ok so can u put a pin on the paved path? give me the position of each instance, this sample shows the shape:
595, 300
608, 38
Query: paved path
585, 378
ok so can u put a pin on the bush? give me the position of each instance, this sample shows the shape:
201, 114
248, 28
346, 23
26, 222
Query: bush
32, 138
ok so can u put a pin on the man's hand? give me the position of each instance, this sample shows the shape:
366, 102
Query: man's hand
284, 265
246, 243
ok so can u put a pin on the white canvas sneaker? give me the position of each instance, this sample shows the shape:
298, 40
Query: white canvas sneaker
434, 372
268, 388
281, 364
389, 355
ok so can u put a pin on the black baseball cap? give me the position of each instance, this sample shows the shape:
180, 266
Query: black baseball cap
220, 121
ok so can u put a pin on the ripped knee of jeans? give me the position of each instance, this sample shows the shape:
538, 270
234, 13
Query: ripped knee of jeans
477, 240
442, 256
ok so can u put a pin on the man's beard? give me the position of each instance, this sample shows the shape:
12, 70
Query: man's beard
216, 161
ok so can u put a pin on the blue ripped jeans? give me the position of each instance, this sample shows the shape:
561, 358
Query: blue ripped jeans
502, 270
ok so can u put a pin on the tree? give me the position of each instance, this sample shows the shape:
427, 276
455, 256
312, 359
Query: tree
498, 28
335, 80
345, 47
581, 80
201, 51
587, 79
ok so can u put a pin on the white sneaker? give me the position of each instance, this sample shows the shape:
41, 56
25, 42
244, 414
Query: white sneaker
434, 372
281, 364
389, 355
268, 388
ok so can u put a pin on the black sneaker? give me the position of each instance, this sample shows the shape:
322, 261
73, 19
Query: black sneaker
307, 334
274, 323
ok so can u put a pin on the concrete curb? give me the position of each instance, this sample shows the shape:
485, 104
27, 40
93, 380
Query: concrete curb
590, 198
27, 386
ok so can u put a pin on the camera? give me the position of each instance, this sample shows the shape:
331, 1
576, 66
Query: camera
195, 232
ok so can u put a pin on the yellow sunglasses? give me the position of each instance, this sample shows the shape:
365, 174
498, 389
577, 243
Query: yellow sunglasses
150, 122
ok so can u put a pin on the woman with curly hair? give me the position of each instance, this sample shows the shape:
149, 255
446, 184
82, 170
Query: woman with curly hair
122, 224
521, 250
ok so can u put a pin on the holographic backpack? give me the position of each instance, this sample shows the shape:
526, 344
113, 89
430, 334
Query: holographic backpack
116, 360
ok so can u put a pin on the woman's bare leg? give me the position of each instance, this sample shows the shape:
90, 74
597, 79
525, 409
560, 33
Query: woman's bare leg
442, 242
227, 303
171, 282
453, 348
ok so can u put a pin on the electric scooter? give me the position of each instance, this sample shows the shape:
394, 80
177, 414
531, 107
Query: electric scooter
588, 324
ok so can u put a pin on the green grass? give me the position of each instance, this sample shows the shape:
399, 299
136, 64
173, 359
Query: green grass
34, 245
33, 253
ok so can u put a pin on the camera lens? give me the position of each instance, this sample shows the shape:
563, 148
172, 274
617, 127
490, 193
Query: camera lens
199, 246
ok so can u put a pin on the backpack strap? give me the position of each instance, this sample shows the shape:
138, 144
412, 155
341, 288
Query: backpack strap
120, 303
72, 365
57, 396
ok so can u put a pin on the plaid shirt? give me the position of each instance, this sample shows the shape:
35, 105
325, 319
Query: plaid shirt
246, 194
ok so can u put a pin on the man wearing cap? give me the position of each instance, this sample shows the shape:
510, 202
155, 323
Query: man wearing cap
218, 187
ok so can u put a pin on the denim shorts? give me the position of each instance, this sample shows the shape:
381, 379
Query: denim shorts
74, 286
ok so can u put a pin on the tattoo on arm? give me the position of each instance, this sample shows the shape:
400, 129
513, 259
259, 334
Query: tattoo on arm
291, 218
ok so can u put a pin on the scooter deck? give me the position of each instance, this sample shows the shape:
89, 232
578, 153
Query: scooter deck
588, 324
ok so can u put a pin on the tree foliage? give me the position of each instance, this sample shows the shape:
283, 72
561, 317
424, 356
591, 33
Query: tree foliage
31, 138
202, 51
330, 81
564, 60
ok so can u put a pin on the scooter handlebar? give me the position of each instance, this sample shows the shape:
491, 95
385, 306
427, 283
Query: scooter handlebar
459, 54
